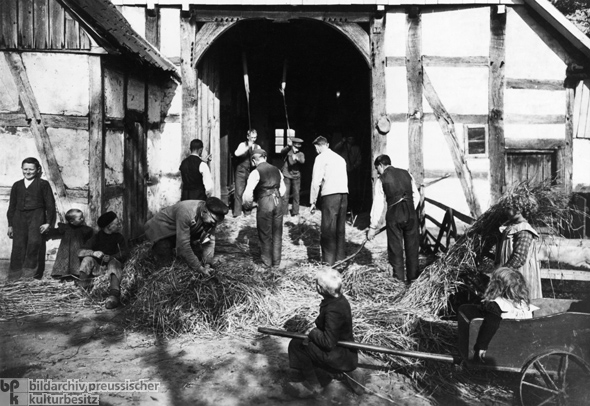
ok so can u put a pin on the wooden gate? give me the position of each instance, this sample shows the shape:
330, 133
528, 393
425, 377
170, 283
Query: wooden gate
134, 172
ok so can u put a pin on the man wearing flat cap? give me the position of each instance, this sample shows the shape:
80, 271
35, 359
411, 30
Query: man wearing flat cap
293, 158
265, 184
104, 253
187, 223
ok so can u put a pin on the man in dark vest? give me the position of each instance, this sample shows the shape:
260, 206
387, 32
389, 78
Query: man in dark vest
265, 184
196, 176
396, 187
243, 167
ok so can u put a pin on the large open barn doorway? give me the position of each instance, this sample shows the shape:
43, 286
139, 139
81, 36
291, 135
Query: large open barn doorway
327, 93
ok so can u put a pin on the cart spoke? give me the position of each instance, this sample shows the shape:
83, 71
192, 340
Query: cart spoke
546, 377
562, 371
542, 388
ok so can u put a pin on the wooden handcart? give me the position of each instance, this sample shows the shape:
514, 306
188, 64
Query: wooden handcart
550, 352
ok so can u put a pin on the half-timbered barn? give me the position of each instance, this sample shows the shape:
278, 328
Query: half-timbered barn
481, 94
475, 95
80, 90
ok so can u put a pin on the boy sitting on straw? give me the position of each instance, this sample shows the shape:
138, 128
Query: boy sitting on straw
319, 352
105, 253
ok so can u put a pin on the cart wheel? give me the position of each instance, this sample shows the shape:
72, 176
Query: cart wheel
555, 378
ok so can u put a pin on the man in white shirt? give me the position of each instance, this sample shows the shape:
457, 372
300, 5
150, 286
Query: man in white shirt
397, 187
243, 167
265, 183
196, 176
329, 175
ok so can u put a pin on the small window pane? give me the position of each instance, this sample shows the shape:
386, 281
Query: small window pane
476, 141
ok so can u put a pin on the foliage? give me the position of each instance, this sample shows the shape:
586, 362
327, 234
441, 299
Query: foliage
577, 11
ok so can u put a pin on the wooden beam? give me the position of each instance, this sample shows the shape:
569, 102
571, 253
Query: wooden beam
356, 35
206, 35
56, 27
514, 118
415, 96
152, 26
568, 150
565, 274
8, 24
534, 84
378, 85
212, 15
448, 128
188, 30
496, 88
456, 61
538, 144
96, 159
41, 24
50, 120
37, 126
25, 24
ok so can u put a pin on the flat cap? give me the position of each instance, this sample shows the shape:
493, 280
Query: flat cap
259, 151
216, 206
106, 219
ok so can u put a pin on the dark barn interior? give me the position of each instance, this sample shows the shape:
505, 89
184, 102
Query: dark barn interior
327, 91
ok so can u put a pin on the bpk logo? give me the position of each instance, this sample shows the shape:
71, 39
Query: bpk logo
14, 391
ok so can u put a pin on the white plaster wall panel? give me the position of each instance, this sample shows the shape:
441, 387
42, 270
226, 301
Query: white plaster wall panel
17, 144
176, 104
136, 94
114, 157
170, 35
169, 149
527, 55
450, 193
71, 152
395, 34
397, 90
114, 96
456, 32
461, 90
581, 174
115, 204
436, 152
534, 102
136, 17
397, 145
9, 92
534, 131
164, 194
59, 81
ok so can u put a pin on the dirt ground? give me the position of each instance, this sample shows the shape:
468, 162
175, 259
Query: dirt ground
95, 345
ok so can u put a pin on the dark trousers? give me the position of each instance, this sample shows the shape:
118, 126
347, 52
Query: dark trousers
295, 186
28, 244
269, 222
333, 227
308, 357
242, 174
403, 236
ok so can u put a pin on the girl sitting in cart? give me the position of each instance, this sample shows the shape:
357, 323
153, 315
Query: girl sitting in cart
506, 297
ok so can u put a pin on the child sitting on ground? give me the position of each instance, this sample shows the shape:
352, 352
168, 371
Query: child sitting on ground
506, 297
319, 354
74, 235
105, 253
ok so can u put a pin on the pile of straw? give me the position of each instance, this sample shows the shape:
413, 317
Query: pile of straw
460, 269
45, 297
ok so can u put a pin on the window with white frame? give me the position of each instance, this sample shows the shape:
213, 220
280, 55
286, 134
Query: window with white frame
476, 141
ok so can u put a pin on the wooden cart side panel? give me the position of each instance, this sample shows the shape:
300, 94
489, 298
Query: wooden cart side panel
516, 341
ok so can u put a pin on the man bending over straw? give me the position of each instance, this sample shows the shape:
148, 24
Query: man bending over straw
182, 225
318, 355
